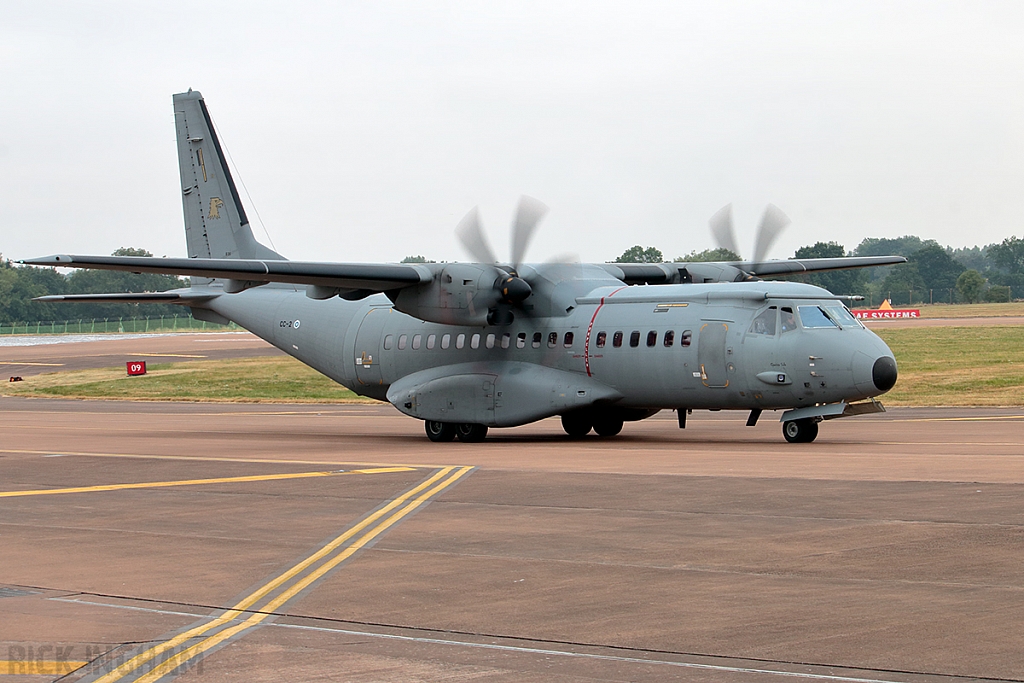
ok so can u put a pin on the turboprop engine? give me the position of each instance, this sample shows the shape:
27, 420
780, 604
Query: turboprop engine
465, 294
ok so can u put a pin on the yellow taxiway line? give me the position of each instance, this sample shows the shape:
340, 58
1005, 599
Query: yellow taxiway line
200, 458
359, 534
195, 482
42, 365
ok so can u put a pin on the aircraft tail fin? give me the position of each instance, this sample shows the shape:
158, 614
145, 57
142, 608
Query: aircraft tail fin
215, 222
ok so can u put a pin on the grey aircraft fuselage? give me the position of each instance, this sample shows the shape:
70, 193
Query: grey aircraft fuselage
655, 346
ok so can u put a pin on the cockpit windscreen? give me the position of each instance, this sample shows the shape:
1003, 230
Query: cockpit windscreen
812, 317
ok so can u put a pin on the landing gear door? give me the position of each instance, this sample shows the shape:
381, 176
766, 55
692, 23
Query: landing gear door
370, 346
711, 354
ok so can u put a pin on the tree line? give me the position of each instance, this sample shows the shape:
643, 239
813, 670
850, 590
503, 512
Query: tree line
932, 274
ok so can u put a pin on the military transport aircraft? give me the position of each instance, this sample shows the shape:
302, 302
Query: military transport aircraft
468, 346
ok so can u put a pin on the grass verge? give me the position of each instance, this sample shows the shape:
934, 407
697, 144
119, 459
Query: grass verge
283, 380
957, 366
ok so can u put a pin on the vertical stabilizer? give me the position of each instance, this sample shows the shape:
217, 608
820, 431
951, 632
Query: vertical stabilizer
215, 222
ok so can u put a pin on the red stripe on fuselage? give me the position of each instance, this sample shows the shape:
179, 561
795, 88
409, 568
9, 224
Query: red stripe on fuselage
590, 329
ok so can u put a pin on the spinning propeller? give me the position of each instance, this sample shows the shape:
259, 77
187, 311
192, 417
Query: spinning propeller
773, 222
511, 288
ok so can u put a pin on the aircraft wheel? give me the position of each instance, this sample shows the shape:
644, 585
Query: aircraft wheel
608, 426
800, 431
577, 425
439, 431
469, 433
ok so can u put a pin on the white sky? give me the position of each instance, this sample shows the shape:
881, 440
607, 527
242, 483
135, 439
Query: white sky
365, 131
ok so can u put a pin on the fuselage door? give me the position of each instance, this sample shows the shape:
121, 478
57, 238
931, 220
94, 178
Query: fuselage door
369, 346
711, 354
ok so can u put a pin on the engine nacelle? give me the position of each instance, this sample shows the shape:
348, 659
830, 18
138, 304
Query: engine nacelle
459, 294
711, 272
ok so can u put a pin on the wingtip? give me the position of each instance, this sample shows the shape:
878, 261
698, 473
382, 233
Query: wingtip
55, 260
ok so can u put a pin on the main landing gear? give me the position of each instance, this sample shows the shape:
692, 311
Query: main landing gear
800, 431
577, 425
448, 431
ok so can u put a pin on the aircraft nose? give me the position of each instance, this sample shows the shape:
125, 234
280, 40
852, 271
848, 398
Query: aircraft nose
883, 373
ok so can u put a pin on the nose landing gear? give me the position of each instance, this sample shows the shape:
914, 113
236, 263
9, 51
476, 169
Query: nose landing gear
800, 431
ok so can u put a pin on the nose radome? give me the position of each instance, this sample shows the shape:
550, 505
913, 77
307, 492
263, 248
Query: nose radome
883, 373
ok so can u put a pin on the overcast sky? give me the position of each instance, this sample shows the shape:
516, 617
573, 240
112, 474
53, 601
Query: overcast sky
365, 131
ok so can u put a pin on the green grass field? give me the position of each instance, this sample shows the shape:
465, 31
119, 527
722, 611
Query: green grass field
957, 366
939, 366
284, 380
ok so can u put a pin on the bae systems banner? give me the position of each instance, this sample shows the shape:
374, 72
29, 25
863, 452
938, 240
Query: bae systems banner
890, 313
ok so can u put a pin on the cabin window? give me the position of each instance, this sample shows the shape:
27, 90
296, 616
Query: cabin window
617, 339
403, 340
474, 343
460, 341
521, 340
489, 343
446, 341
431, 340
389, 341
537, 336
553, 340
652, 338
634, 338
670, 337
567, 340
765, 322
685, 337
812, 317
505, 340
787, 321
601, 338
417, 339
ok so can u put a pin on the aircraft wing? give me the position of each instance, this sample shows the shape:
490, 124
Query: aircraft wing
367, 278
814, 265
346, 276
730, 271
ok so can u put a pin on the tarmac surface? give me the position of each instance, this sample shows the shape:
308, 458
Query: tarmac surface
265, 542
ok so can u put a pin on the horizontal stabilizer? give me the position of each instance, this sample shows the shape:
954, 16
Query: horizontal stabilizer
184, 298
345, 276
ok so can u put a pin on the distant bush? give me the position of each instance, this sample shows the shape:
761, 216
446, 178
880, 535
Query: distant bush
997, 294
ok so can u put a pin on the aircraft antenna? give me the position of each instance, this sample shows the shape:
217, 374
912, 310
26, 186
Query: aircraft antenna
241, 180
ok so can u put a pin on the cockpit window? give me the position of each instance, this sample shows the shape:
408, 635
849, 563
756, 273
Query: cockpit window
812, 317
765, 323
787, 319
842, 316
